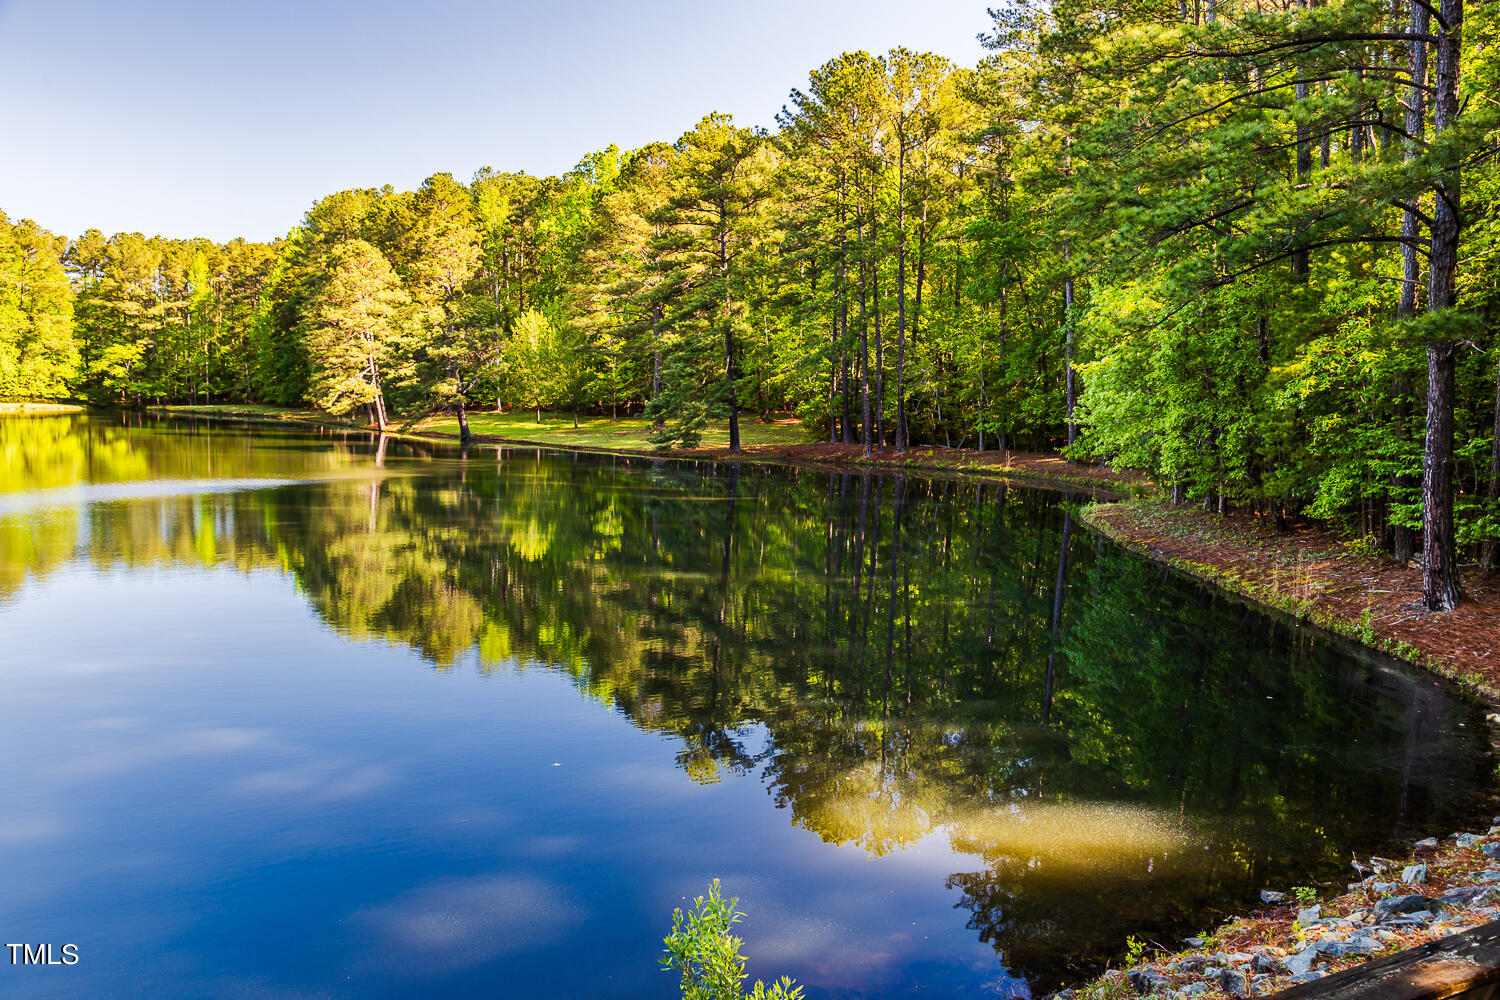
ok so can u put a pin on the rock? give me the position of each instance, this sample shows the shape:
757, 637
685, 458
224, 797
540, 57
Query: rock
1310, 914
1193, 989
1471, 895
1414, 874
1301, 962
1427, 842
1305, 977
1193, 963
1384, 886
1490, 850
1489, 876
1416, 919
1392, 905
1233, 983
1267, 964
1354, 946
1238, 958
1147, 982
1467, 839
1271, 898
1197, 942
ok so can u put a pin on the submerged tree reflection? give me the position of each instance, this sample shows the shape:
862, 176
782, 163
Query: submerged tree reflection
895, 658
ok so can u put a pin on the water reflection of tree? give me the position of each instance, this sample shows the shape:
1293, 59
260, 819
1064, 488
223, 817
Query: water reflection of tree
41, 458
895, 658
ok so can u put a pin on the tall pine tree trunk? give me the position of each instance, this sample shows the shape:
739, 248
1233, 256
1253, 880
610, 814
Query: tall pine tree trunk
1440, 584
875, 309
731, 375
1071, 386
661, 420
864, 352
841, 318
1301, 267
1487, 551
901, 298
1002, 441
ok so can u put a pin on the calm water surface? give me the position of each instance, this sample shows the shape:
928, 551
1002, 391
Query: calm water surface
283, 716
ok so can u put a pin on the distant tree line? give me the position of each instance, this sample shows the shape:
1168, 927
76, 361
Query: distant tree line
1248, 247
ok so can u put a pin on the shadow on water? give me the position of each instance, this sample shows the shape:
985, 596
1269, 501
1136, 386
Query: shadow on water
1111, 749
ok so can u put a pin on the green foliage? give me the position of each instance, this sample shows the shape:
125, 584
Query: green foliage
705, 954
541, 363
1220, 189
38, 355
353, 328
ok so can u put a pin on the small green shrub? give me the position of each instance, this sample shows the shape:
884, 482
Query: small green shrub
707, 956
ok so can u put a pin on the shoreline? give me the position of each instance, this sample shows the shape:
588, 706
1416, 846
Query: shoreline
1315, 577
1442, 887
1045, 470
1312, 576
1308, 575
40, 409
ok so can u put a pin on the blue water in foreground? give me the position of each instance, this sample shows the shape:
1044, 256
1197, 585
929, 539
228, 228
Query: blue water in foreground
283, 716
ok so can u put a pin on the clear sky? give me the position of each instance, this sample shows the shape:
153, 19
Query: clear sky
225, 118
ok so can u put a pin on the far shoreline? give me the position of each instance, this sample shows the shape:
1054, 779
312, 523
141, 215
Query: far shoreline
1308, 573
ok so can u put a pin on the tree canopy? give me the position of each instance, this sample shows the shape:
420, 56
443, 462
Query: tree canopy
1247, 247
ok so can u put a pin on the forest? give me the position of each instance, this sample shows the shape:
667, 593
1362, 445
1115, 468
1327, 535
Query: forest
1247, 247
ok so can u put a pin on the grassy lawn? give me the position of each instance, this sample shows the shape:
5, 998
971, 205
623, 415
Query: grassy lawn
601, 432
261, 410
521, 425
37, 409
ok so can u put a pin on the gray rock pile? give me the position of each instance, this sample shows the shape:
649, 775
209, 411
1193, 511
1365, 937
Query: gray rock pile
1386, 911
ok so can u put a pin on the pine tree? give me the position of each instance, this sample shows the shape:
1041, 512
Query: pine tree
355, 331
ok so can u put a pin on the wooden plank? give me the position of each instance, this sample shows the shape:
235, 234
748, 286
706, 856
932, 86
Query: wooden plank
1448, 967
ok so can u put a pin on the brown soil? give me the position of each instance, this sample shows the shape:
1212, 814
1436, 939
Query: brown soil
1313, 572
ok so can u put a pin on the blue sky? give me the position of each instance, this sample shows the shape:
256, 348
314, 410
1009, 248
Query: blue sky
225, 118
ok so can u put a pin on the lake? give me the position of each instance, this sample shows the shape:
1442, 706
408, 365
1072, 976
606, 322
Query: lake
288, 713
